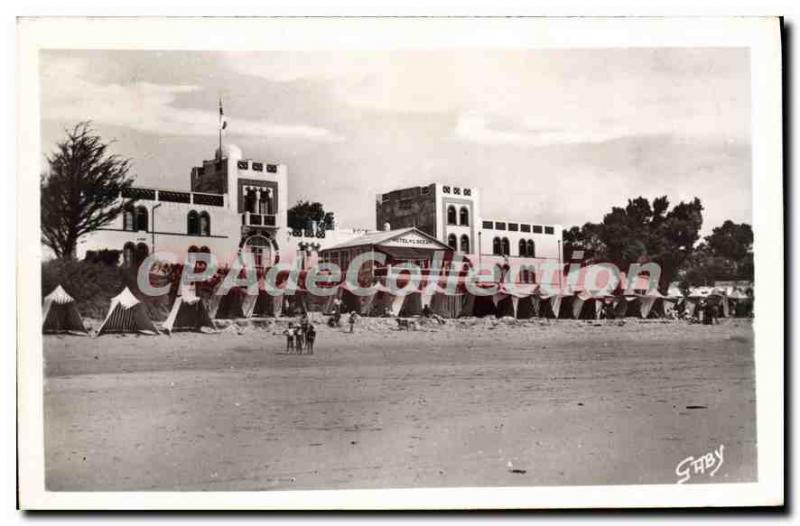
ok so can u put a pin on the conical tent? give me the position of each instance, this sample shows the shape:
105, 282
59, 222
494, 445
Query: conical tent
60, 314
236, 303
126, 315
264, 305
587, 306
188, 312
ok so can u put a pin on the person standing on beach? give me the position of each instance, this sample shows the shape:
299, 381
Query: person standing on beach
311, 335
289, 332
352, 321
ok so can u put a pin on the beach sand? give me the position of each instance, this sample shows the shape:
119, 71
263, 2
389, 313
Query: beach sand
471, 403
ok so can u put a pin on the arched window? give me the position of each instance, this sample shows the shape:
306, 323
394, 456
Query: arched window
250, 201
463, 216
497, 248
193, 249
523, 248
506, 247
205, 224
204, 249
128, 219
141, 219
128, 253
465, 244
141, 253
451, 215
192, 223
531, 249
451, 240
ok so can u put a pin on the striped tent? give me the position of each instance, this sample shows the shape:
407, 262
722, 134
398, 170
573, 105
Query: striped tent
60, 314
189, 312
126, 315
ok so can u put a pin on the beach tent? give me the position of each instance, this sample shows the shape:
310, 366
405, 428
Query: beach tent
649, 300
527, 302
236, 303
266, 305
411, 304
624, 306
587, 306
125, 315
550, 304
448, 305
60, 314
188, 312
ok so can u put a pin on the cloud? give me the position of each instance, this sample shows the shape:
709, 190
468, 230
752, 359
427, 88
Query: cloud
473, 128
68, 95
519, 96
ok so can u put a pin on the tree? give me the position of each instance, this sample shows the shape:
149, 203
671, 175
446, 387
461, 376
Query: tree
304, 213
81, 192
643, 232
731, 240
725, 254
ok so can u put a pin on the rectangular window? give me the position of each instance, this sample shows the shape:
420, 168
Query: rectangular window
525, 228
548, 230
537, 229
457, 191
258, 167
272, 168
445, 189
467, 191
499, 225
201, 171
488, 224
513, 227
242, 165
425, 190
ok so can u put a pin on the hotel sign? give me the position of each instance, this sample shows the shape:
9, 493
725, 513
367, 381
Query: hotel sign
413, 241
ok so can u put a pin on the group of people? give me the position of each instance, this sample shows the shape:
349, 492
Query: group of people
300, 337
335, 319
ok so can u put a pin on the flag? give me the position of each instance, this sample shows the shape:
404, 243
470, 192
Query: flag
223, 123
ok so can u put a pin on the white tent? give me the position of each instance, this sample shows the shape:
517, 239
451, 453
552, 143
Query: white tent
60, 314
587, 304
127, 314
188, 312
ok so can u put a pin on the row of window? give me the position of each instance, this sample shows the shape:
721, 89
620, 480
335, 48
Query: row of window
462, 215
456, 190
256, 166
517, 227
136, 220
502, 247
452, 241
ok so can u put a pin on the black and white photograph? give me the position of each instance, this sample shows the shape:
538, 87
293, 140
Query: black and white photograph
537, 257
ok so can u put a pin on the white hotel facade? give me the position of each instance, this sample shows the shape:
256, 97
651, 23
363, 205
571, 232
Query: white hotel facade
236, 204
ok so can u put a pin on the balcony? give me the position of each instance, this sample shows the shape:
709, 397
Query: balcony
249, 219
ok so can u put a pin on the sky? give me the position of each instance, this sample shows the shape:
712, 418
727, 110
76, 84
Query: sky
553, 136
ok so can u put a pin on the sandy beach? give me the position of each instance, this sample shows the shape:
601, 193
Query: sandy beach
471, 403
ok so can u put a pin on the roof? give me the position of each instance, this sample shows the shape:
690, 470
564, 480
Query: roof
383, 236
59, 295
125, 298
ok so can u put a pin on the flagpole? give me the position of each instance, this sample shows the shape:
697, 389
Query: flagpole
219, 126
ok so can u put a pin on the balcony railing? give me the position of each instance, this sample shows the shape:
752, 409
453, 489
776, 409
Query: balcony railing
171, 196
249, 219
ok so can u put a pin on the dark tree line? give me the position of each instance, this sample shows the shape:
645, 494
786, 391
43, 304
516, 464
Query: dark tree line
642, 232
